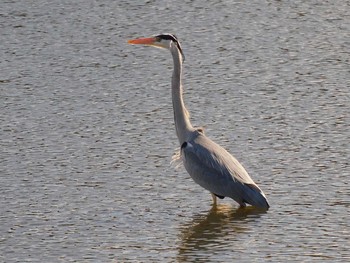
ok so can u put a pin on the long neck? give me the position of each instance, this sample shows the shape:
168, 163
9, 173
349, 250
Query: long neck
181, 115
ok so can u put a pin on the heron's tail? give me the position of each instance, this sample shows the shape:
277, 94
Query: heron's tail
255, 197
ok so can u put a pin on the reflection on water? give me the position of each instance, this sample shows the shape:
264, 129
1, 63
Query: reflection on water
214, 229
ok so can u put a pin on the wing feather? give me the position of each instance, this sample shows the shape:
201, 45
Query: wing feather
213, 168
211, 156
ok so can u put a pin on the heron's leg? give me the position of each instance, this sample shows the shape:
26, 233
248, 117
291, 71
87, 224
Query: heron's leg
214, 199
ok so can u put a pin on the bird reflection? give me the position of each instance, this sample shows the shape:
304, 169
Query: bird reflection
223, 222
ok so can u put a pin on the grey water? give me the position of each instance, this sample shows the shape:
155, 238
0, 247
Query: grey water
87, 133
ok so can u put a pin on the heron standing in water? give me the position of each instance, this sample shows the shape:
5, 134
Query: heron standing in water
209, 165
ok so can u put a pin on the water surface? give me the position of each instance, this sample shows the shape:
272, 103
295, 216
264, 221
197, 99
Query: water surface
87, 134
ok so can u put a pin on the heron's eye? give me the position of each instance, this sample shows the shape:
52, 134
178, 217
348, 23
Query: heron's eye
158, 39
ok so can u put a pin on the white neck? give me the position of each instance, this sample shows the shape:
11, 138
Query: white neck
181, 115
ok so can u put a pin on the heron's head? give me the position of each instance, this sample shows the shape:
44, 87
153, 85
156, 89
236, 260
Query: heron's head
166, 41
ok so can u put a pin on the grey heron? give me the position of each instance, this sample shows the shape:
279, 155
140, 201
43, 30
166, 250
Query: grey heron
209, 164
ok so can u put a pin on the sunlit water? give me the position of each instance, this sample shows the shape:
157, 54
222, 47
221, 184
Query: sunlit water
87, 134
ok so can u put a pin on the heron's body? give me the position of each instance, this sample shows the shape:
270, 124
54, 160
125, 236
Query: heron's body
209, 165
213, 168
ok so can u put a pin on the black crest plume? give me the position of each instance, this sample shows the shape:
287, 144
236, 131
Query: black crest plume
173, 38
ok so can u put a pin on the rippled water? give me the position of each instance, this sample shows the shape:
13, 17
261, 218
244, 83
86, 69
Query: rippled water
87, 133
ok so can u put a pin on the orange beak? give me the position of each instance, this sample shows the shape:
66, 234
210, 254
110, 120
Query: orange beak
142, 41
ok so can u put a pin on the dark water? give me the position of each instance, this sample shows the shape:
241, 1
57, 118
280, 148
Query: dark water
87, 133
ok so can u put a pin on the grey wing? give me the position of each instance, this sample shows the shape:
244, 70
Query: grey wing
216, 170
205, 169
211, 156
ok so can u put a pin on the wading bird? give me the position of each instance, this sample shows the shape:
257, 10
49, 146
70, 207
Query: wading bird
209, 165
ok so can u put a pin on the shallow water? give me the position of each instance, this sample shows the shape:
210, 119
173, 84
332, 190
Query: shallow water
87, 134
